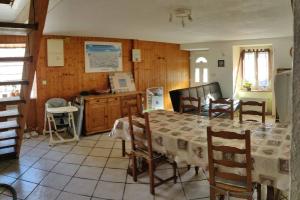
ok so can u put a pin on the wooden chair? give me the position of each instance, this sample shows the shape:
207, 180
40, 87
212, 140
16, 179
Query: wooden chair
261, 113
196, 110
141, 144
221, 106
193, 105
225, 183
135, 102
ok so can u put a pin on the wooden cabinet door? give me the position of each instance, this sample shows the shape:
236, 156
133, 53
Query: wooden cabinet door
114, 111
96, 115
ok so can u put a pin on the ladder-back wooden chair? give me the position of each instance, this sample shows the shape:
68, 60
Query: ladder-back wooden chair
256, 104
141, 143
219, 107
226, 183
193, 105
135, 103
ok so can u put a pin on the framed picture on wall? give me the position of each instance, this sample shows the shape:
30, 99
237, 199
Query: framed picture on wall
121, 82
221, 63
103, 57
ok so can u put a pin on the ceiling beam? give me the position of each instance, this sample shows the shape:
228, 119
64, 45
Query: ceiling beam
7, 2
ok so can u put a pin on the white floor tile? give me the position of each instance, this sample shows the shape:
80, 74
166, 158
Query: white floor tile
137, 192
118, 163
114, 175
34, 175
73, 159
45, 164
81, 186
56, 181
89, 172
43, 193
108, 190
66, 169
70, 196
95, 161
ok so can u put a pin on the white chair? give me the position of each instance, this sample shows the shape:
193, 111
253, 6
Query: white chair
59, 119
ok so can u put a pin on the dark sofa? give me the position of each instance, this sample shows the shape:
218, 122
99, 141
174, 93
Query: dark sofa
205, 92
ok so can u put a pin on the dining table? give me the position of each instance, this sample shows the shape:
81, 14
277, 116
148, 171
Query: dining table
184, 138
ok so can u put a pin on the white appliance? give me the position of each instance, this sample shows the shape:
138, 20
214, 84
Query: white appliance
283, 96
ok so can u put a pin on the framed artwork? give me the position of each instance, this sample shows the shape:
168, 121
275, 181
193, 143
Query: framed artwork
121, 82
221, 63
103, 57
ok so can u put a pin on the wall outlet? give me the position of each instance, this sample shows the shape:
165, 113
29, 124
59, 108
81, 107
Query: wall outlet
44, 82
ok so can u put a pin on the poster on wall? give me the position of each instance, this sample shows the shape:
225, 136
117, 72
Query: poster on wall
103, 57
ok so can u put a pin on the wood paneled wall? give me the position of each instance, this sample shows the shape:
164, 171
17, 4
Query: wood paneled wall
162, 64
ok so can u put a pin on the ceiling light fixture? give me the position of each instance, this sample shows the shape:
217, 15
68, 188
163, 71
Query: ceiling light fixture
181, 13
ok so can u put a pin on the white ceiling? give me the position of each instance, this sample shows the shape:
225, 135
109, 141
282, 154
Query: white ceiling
10, 13
213, 20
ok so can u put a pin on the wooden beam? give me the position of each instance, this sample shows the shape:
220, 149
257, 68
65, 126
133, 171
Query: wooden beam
21, 82
33, 26
6, 1
37, 14
16, 59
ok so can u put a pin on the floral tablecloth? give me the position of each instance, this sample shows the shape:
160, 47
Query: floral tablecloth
183, 136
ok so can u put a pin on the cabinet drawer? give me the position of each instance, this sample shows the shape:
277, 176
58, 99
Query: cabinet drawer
114, 100
97, 101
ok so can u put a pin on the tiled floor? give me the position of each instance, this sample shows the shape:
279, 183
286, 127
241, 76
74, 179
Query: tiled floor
91, 169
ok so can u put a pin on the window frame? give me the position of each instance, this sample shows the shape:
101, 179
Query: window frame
256, 52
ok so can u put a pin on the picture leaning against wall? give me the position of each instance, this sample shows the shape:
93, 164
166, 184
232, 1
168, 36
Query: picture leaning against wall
103, 57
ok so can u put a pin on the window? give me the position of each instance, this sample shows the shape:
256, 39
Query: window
256, 69
205, 75
11, 71
201, 70
197, 75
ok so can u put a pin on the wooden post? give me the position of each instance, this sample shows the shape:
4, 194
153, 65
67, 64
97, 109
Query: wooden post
295, 148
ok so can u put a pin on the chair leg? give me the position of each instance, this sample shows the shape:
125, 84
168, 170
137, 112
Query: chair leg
151, 176
123, 148
134, 168
175, 171
188, 167
258, 190
212, 194
196, 170
270, 193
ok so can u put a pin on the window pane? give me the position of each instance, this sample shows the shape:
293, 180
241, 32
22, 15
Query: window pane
205, 75
197, 75
201, 60
249, 68
11, 70
263, 69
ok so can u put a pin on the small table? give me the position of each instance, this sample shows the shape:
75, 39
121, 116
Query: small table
50, 118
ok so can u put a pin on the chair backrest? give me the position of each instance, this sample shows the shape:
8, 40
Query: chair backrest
190, 103
141, 139
220, 106
56, 102
215, 172
134, 102
261, 113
